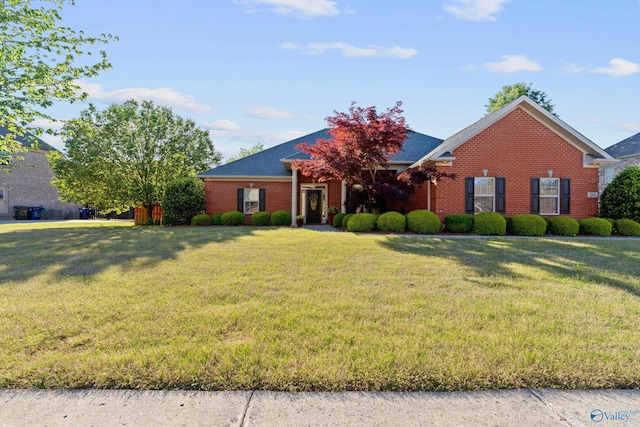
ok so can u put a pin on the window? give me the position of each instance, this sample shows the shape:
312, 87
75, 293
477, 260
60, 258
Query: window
484, 194
549, 196
251, 200
608, 175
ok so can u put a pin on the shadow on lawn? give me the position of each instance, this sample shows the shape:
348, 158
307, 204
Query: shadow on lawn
86, 251
605, 262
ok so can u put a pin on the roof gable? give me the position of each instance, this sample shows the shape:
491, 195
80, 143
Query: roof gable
626, 148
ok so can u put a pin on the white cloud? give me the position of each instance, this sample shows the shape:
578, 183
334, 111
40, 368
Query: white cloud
305, 8
475, 10
618, 67
164, 96
512, 64
631, 127
571, 68
351, 51
270, 113
223, 125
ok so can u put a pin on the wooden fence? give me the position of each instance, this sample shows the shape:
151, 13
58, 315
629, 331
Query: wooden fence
141, 216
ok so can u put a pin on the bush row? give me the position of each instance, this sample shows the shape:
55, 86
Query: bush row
234, 218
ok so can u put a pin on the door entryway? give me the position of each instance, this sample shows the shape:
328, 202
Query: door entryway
314, 207
4, 203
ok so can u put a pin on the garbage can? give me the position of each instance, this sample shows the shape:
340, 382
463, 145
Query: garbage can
84, 213
21, 212
35, 212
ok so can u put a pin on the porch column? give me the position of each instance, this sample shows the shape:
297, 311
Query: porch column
294, 196
429, 195
343, 196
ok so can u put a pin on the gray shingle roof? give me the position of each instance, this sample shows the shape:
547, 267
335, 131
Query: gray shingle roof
268, 162
626, 147
28, 142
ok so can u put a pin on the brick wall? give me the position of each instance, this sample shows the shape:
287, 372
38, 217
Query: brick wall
519, 148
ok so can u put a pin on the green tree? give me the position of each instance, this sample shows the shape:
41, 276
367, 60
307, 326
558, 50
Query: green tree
512, 92
37, 63
182, 200
244, 152
621, 198
127, 154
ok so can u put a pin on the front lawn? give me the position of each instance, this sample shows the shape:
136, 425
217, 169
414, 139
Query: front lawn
103, 305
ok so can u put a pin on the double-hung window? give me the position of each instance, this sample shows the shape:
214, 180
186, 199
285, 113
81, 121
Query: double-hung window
609, 173
484, 194
251, 200
549, 196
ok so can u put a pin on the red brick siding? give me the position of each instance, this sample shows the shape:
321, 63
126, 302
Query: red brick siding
519, 148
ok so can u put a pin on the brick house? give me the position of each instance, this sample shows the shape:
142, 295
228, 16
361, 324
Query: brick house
520, 159
29, 184
627, 152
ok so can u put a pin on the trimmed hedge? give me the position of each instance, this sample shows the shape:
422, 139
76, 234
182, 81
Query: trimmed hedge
627, 227
281, 218
201, 219
563, 226
261, 218
458, 223
362, 222
232, 218
528, 225
489, 224
422, 221
345, 219
337, 219
216, 219
595, 227
392, 221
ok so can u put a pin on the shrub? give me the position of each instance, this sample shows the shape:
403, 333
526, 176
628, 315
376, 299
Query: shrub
528, 225
489, 224
392, 221
232, 218
563, 226
458, 223
216, 219
182, 200
627, 227
280, 218
595, 227
201, 219
362, 222
345, 219
337, 220
621, 198
261, 218
423, 221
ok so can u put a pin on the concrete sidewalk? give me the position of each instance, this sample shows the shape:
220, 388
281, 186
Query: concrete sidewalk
529, 407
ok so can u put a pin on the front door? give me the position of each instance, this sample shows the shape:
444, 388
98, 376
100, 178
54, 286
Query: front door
4, 208
314, 206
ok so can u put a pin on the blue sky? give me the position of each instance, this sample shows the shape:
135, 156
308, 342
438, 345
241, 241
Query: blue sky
267, 71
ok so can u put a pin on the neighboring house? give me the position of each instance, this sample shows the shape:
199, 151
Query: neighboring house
627, 152
29, 184
520, 159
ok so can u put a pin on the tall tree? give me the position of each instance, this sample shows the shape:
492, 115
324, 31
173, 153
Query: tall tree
362, 143
127, 154
244, 152
38, 65
512, 92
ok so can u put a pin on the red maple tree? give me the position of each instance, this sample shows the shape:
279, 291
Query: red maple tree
362, 143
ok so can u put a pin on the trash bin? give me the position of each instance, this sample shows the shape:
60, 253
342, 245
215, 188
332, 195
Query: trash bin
84, 213
35, 212
21, 212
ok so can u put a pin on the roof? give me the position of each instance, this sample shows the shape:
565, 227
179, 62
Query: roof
28, 140
271, 162
443, 152
626, 147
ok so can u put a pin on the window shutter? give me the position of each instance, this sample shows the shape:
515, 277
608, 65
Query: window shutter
500, 195
241, 200
535, 195
565, 196
468, 195
261, 199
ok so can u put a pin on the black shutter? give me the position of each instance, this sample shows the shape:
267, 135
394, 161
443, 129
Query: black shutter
500, 195
261, 199
241, 200
565, 196
469, 184
535, 195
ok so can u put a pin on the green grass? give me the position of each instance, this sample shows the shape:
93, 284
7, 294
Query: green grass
108, 305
